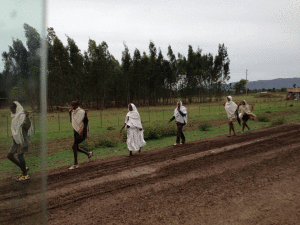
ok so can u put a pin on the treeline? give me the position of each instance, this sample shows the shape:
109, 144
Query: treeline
97, 79
21, 75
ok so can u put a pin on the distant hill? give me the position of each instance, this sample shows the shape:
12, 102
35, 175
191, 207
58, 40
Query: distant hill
276, 83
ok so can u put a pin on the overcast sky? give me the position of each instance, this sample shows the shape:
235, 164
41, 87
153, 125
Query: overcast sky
261, 36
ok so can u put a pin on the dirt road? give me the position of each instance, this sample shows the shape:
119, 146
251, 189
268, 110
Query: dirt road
253, 178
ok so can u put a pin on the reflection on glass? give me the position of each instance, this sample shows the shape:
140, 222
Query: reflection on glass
22, 184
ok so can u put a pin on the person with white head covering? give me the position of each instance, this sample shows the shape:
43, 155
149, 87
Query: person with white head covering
180, 114
245, 114
21, 129
80, 125
231, 110
135, 132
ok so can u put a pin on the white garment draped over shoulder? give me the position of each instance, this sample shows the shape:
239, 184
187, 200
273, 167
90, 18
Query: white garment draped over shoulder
77, 119
16, 124
135, 133
179, 118
230, 108
245, 109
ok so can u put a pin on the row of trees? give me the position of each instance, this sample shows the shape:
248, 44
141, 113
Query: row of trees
21, 75
98, 79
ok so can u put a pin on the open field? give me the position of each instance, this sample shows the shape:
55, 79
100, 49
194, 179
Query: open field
252, 178
60, 137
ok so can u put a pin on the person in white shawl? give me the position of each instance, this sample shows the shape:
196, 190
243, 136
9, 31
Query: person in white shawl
180, 114
21, 129
230, 108
135, 132
79, 121
245, 114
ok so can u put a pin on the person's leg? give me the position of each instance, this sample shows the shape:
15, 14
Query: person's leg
12, 158
22, 163
243, 125
178, 134
247, 125
83, 151
233, 129
182, 135
229, 124
75, 147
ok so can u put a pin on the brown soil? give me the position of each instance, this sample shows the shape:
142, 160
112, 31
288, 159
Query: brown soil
248, 179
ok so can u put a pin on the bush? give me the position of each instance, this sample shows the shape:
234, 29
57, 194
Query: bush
204, 126
158, 131
279, 121
263, 118
106, 141
87, 145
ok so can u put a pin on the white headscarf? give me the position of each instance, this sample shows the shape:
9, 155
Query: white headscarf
77, 119
230, 108
179, 118
17, 122
133, 118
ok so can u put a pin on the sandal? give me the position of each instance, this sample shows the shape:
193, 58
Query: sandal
21, 174
22, 178
74, 167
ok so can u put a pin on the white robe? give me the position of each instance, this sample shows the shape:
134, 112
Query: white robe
16, 124
135, 134
179, 118
77, 119
230, 108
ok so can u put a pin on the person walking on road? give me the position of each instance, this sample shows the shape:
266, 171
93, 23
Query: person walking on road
245, 114
21, 129
135, 133
80, 125
180, 114
231, 110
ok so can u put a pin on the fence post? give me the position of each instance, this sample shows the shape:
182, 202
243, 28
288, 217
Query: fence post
149, 111
58, 121
163, 111
260, 104
101, 115
7, 125
33, 123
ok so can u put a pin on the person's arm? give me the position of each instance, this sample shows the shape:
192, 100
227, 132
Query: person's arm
26, 124
172, 119
122, 128
181, 113
70, 114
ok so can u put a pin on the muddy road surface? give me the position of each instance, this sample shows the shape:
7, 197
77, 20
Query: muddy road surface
253, 178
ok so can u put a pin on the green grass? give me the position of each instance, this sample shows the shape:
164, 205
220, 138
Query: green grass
158, 133
263, 118
279, 121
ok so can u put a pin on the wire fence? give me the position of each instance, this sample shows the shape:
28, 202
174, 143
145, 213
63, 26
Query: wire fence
113, 118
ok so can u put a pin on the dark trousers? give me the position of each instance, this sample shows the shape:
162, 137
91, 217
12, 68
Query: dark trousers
180, 133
